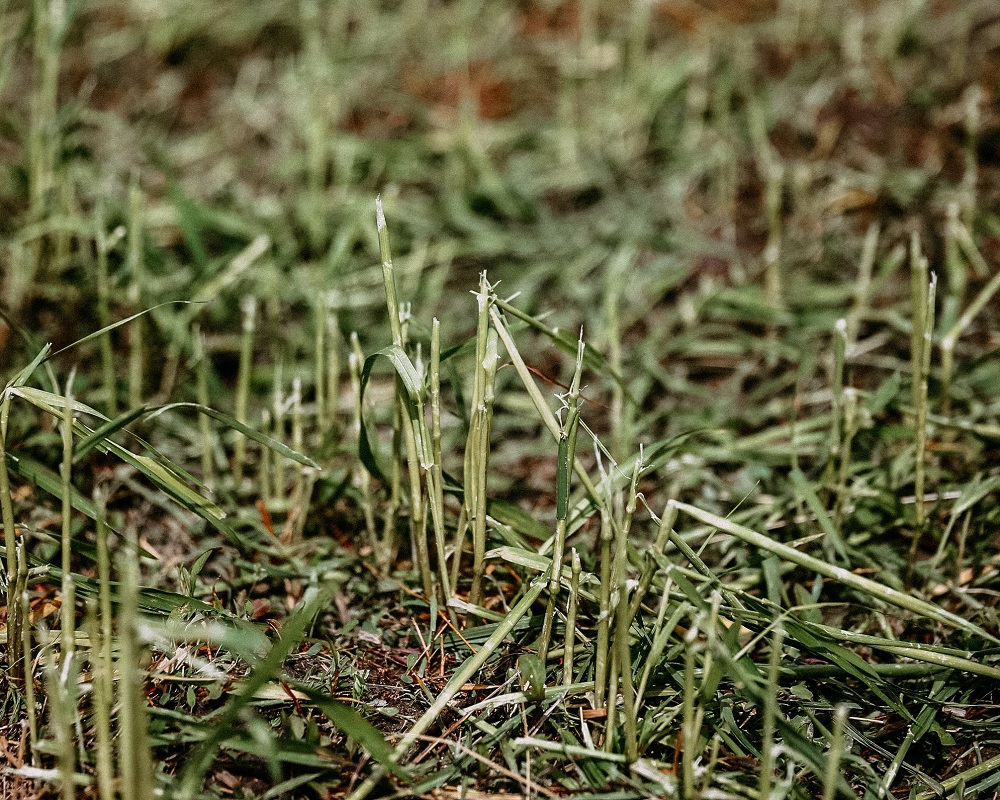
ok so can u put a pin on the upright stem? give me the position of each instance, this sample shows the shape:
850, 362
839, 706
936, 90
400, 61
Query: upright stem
362, 479
6, 501
204, 426
388, 275
435, 476
299, 508
67, 610
243, 376
922, 378
604, 615
104, 589
569, 648
621, 663
136, 263
481, 457
50, 25
620, 433
567, 455
26, 655
102, 702
770, 715
134, 755
836, 752
475, 505
278, 410
332, 365
410, 436
104, 315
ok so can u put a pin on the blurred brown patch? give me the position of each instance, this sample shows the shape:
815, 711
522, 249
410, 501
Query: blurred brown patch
868, 120
114, 85
444, 91
547, 19
693, 16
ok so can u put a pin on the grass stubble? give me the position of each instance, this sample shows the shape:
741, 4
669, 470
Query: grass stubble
770, 634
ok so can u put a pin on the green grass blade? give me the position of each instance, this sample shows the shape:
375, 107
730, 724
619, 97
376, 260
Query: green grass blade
102, 433
412, 385
351, 723
858, 582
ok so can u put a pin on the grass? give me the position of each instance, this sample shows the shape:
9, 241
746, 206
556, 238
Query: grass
499, 399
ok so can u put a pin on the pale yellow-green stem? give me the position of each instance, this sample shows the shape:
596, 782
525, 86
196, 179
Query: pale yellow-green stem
6, 501
569, 647
769, 714
67, 609
104, 313
136, 266
27, 656
566, 457
243, 379
410, 436
435, 475
204, 426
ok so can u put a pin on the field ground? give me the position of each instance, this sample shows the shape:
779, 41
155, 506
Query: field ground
660, 457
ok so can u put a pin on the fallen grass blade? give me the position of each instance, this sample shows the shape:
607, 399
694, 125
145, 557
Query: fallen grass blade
858, 582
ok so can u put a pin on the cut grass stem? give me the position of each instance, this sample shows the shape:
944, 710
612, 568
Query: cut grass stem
26, 662
649, 566
101, 703
922, 378
435, 475
408, 424
60, 685
835, 753
244, 375
134, 756
769, 714
620, 681
204, 427
19, 667
477, 448
104, 313
619, 411
321, 366
67, 610
136, 296
569, 646
602, 643
691, 714
918, 343
362, 478
6, 501
566, 457
279, 408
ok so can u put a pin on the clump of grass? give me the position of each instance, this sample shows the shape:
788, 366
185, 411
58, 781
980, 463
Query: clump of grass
463, 586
